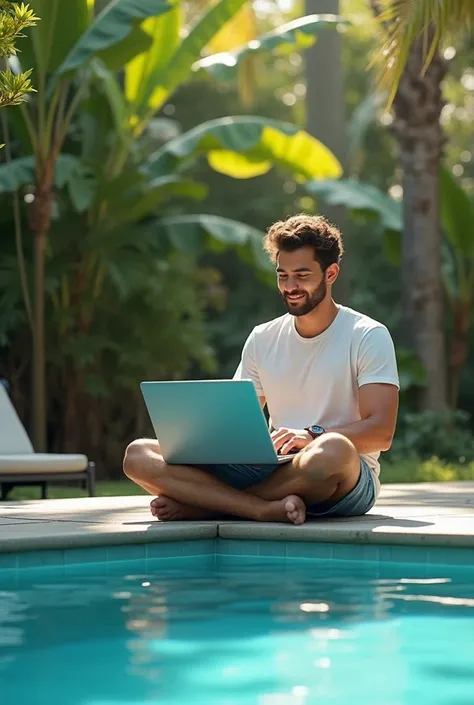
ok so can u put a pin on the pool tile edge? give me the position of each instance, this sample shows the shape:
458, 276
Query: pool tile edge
60, 538
339, 534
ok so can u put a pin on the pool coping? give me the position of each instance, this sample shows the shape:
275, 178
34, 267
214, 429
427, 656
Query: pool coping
430, 515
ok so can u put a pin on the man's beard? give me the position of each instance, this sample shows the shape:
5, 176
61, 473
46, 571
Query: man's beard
307, 303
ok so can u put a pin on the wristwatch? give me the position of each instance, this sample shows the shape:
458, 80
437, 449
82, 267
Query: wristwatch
315, 431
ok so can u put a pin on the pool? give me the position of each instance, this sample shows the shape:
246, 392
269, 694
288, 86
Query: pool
215, 626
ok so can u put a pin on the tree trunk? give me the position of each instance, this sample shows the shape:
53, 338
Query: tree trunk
40, 222
325, 105
418, 130
459, 350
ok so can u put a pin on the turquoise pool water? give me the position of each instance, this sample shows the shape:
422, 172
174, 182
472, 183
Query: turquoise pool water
236, 630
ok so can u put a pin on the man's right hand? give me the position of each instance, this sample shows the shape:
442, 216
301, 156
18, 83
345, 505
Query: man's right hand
286, 440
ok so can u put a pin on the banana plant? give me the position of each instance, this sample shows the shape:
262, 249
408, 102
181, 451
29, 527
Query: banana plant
75, 54
59, 50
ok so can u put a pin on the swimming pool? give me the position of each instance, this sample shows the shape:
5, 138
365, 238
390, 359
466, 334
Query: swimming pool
222, 629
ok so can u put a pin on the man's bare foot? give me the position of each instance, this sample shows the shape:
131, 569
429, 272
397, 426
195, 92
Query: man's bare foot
167, 509
291, 509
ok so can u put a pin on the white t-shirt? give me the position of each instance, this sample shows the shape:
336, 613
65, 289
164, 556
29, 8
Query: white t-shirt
315, 381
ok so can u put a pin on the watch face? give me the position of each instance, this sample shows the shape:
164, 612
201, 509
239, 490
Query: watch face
318, 430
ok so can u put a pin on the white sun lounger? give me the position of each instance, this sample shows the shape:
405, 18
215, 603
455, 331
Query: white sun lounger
20, 465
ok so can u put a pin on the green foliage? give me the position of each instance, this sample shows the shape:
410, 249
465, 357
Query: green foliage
408, 470
410, 370
458, 220
429, 434
458, 214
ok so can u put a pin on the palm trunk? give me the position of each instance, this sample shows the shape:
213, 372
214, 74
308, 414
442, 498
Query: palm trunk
325, 114
418, 130
40, 223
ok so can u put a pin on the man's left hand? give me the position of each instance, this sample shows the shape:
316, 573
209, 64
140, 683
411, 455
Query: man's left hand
288, 439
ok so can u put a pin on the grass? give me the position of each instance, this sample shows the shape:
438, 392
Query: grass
411, 470
103, 489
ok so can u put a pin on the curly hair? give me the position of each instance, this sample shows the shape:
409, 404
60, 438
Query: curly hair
303, 231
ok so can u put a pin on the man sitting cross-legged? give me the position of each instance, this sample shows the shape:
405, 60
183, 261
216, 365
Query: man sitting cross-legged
328, 376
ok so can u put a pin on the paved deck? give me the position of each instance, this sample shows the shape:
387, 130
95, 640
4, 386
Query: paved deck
440, 514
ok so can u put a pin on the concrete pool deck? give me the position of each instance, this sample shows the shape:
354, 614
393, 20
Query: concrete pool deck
427, 514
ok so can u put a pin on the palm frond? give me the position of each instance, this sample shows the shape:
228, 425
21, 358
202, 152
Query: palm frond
403, 22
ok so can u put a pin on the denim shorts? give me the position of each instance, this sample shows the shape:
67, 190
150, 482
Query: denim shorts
358, 502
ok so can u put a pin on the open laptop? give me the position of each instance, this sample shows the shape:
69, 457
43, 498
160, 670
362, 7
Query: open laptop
210, 423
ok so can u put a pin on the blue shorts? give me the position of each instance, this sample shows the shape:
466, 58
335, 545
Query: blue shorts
356, 503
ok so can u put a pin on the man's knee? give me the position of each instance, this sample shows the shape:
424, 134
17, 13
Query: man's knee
332, 456
136, 455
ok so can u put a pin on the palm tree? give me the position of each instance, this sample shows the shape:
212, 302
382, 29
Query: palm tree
412, 68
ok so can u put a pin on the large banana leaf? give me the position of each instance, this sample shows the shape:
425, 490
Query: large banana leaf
177, 69
62, 24
364, 199
301, 32
247, 146
458, 215
360, 198
142, 72
110, 86
113, 27
195, 233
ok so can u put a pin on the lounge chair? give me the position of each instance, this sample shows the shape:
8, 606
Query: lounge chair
20, 465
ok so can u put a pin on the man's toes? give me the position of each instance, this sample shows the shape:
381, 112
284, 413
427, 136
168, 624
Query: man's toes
295, 510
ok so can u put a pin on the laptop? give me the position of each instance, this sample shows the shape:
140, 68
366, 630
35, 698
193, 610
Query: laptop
210, 422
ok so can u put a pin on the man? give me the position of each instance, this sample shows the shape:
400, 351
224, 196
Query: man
328, 376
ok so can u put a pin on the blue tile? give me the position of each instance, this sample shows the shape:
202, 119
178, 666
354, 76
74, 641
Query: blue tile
8, 560
272, 548
348, 552
131, 552
405, 554
40, 559
450, 556
229, 547
163, 549
199, 547
250, 548
94, 554
371, 553
309, 549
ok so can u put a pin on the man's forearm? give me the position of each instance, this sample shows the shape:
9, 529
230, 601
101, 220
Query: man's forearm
368, 435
